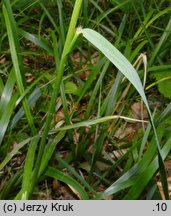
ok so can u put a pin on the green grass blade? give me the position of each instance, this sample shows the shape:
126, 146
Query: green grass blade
49, 150
74, 173
158, 15
35, 40
15, 151
27, 186
164, 115
129, 178
161, 42
7, 92
61, 21
7, 104
11, 186
141, 28
146, 176
49, 16
95, 90
92, 76
94, 122
116, 58
54, 173
4, 121
67, 116
16, 57
1, 86
60, 67
31, 101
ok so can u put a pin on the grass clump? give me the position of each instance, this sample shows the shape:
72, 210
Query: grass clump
81, 114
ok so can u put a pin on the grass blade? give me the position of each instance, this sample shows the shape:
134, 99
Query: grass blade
136, 190
54, 173
35, 40
7, 104
11, 154
94, 122
116, 58
27, 188
70, 35
49, 150
145, 169
161, 42
73, 172
16, 57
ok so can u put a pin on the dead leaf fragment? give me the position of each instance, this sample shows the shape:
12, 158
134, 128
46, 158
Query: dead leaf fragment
139, 111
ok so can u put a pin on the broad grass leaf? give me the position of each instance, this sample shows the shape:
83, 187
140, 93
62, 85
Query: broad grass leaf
116, 57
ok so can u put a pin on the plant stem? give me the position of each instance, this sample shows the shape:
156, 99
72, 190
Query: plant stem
51, 110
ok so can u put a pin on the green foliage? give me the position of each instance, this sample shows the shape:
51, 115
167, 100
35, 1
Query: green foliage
67, 93
127, 5
164, 82
71, 88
